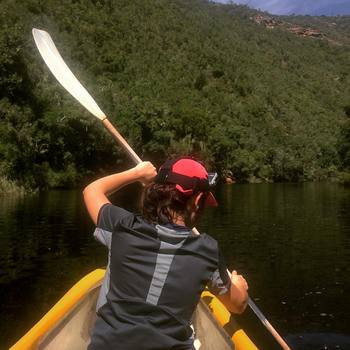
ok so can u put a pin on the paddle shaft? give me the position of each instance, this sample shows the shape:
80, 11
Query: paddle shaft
267, 324
122, 142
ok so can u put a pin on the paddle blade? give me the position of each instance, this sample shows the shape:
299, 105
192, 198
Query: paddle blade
62, 72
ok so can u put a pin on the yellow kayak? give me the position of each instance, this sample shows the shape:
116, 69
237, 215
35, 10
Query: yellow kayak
69, 323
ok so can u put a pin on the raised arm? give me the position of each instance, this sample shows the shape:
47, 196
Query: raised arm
236, 299
96, 194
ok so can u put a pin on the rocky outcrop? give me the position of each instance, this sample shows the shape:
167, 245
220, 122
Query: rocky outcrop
306, 32
271, 22
268, 21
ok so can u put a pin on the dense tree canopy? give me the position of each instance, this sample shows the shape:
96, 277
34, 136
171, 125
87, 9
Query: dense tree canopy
175, 76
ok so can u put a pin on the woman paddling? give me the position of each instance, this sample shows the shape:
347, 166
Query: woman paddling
157, 267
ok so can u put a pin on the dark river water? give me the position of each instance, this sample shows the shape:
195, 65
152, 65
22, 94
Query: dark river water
290, 241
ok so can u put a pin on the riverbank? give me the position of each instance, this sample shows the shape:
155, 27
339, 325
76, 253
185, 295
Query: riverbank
11, 187
344, 178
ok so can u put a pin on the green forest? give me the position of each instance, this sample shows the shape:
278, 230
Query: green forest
175, 77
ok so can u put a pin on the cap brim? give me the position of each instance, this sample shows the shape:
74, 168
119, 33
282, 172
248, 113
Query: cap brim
211, 201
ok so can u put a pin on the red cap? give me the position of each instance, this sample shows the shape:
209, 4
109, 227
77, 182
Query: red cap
190, 168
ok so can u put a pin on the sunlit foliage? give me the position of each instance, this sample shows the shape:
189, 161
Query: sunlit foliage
175, 76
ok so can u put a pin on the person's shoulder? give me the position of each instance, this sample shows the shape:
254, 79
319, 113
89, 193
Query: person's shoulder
137, 222
110, 215
114, 210
209, 244
207, 237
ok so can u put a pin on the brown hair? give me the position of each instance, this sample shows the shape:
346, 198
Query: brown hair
160, 202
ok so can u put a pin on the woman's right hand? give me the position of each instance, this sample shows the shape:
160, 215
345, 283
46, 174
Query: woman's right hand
236, 299
238, 293
145, 172
239, 281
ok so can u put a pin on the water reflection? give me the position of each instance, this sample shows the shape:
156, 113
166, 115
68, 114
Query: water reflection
292, 241
319, 341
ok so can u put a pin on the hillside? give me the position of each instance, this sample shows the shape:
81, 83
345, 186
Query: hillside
175, 76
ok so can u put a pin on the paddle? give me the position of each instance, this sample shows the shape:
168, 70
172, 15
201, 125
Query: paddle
67, 79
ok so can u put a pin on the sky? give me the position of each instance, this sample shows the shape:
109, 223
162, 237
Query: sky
302, 7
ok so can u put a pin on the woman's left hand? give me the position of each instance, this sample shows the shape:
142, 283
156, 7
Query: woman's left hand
145, 172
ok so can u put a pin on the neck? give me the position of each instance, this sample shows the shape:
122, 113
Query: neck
179, 221
177, 218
